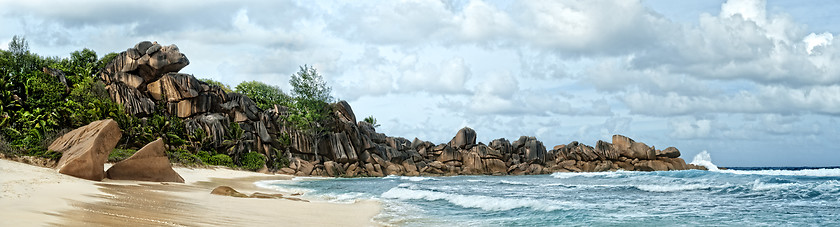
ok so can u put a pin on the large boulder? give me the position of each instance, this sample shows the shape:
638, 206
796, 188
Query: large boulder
449, 154
472, 163
148, 164
465, 139
670, 152
86, 149
174, 87
631, 149
533, 151
345, 112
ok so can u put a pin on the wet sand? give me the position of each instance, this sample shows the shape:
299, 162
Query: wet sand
36, 196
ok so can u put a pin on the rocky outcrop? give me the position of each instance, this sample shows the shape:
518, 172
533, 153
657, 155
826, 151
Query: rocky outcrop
85, 149
145, 79
148, 164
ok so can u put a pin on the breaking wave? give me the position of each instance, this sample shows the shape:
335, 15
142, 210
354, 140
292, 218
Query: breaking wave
486, 203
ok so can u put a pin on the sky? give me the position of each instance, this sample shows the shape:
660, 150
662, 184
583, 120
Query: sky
753, 83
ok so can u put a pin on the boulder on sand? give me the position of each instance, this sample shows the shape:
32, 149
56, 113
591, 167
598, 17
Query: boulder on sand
86, 149
148, 164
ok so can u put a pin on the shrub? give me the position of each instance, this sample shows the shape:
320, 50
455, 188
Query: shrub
220, 160
184, 157
120, 154
204, 156
252, 161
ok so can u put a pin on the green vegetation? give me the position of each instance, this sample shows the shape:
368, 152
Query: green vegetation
264, 95
34, 104
220, 160
372, 121
253, 161
44, 97
120, 154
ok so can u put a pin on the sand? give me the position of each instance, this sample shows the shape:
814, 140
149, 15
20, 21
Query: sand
36, 196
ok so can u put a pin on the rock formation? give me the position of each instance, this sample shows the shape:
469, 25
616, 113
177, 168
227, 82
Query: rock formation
148, 164
86, 149
145, 78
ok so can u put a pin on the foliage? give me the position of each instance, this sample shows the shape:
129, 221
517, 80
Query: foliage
252, 161
221, 85
308, 85
120, 154
264, 95
220, 160
34, 105
183, 156
372, 121
310, 110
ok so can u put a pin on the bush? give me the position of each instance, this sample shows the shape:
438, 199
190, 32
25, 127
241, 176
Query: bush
204, 156
220, 160
120, 154
252, 161
184, 157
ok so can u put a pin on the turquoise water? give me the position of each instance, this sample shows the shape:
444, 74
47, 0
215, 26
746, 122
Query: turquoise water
799, 197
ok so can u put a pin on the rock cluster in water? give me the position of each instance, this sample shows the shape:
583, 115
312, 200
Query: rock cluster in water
148, 73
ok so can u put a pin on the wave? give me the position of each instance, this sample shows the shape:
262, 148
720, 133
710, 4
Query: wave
704, 159
415, 179
564, 175
513, 182
804, 172
486, 203
276, 186
672, 188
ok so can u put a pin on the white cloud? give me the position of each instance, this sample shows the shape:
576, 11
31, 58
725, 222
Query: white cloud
813, 41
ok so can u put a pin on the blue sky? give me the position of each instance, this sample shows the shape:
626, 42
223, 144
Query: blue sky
754, 83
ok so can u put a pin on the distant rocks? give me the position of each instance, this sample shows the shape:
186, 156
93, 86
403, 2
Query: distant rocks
86, 149
148, 164
145, 78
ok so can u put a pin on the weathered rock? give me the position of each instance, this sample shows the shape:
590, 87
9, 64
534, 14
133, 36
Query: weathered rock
605, 151
631, 149
472, 164
200, 104
533, 151
465, 139
135, 102
86, 149
449, 154
345, 112
161, 60
333, 169
304, 169
495, 166
150, 163
214, 126
670, 152
227, 191
174, 87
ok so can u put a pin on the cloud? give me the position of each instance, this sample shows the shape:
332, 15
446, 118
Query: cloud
814, 41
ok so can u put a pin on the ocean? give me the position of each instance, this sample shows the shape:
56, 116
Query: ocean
733, 197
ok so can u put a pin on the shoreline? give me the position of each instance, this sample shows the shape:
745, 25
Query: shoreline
38, 196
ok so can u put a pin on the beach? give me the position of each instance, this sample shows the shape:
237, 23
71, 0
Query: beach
37, 196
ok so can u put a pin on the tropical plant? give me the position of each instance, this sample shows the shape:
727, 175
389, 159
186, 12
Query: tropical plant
372, 121
264, 95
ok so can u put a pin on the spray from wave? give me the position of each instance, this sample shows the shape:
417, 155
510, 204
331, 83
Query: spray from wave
704, 159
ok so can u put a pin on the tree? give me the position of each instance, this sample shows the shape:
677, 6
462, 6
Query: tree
372, 121
307, 84
266, 96
311, 96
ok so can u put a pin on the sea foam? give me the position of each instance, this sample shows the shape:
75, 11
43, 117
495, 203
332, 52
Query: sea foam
704, 159
486, 203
